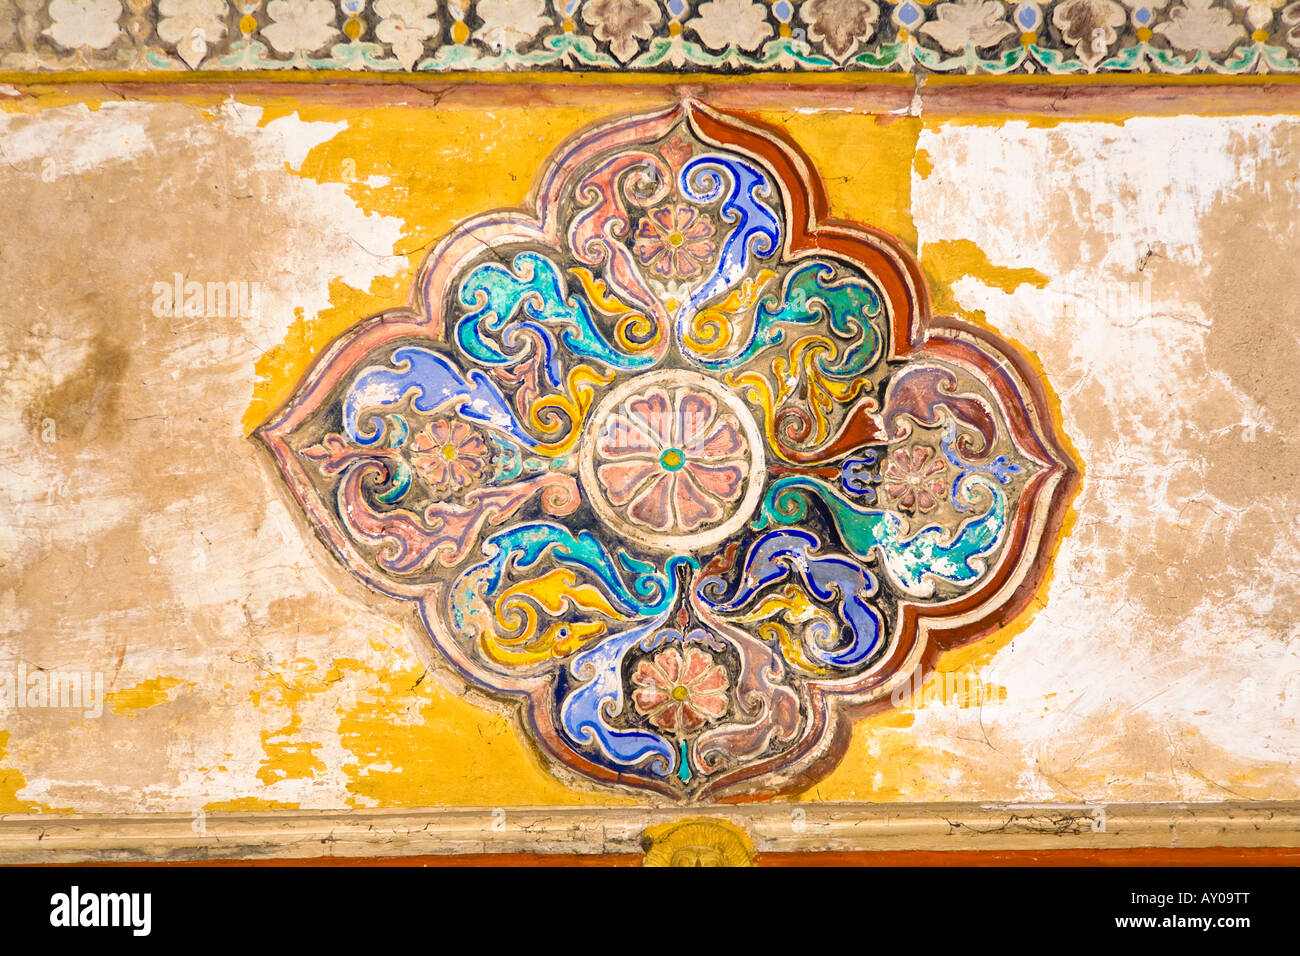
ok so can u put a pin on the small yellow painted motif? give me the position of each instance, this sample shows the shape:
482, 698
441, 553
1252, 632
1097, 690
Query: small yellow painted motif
713, 329
565, 413
559, 593
700, 841
794, 606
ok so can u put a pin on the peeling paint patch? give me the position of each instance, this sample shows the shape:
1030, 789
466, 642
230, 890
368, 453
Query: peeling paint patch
142, 696
949, 261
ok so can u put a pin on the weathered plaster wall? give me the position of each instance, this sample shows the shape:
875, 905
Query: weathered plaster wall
1145, 262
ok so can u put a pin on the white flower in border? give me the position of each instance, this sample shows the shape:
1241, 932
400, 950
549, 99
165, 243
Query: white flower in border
976, 23
507, 24
1200, 25
721, 23
1291, 19
1090, 26
406, 24
840, 25
1259, 13
621, 23
190, 25
84, 23
300, 25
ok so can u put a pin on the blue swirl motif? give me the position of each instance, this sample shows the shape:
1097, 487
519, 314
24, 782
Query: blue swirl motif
436, 382
778, 555
583, 711
534, 286
856, 475
907, 559
811, 294
756, 230
1000, 468
650, 593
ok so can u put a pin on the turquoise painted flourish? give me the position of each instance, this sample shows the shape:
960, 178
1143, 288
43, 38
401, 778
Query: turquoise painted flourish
908, 558
650, 592
531, 293
808, 295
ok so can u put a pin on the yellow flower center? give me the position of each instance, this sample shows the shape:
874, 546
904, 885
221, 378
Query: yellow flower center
449, 452
680, 692
676, 239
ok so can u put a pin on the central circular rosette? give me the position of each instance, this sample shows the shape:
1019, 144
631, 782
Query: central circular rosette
673, 460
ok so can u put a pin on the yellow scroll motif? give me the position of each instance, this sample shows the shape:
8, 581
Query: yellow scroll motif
713, 329
557, 592
792, 604
788, 372
760, 393
567, 409
630, 321
702, 841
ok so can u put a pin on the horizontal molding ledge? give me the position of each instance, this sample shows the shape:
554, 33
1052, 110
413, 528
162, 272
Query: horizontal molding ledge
785, 827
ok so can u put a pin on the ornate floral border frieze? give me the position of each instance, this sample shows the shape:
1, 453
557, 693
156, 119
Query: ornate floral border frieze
976, 37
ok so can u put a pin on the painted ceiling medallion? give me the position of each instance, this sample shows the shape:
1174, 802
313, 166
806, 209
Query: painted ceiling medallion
678, 463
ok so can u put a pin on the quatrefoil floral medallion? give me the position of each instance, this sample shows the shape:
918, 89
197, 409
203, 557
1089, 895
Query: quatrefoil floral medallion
679, 464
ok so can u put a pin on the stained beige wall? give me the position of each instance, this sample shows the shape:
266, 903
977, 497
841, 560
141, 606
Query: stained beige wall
1146, 262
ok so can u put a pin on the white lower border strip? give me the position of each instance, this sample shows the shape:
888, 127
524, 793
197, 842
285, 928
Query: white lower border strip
784, 827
